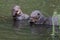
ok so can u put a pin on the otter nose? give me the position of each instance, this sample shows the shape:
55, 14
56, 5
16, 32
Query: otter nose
17, 12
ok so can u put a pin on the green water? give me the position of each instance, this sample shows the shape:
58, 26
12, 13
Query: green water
6, 31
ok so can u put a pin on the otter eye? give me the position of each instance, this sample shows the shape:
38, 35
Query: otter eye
16, 11
38, 14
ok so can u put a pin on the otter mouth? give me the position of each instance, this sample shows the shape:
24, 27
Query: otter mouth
33, 19
16, 15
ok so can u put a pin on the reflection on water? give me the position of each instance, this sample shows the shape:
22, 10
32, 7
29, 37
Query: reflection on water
39, 31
